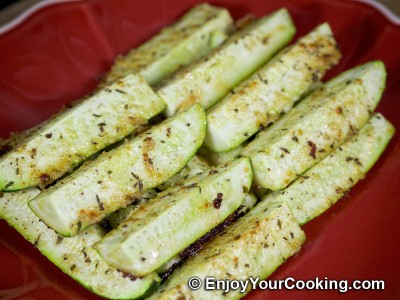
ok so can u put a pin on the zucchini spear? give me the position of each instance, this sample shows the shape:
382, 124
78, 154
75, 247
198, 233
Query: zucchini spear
75, 256
115, 178
196, 170
254, 246
167, 224
315, 127
211, 78
201, 29
272, 90
325, 183
62, 143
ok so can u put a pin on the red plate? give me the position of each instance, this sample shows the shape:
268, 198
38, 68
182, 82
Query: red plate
57, 53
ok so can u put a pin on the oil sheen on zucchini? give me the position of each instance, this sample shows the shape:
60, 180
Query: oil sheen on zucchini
254, 246
212, 77
115, 178
325, 183
68, 139
316, 126
201, 29
272, 90
75, 256
177, 217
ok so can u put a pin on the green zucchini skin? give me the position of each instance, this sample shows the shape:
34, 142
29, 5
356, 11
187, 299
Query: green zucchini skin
316, 126
177, 217
115, 178
75, 256
65, 141
196, 33
254, 246
272, 90
212, 77
325, 183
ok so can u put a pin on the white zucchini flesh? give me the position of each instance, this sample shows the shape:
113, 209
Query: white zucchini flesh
115, 178
177, 217
120, 215
212, 77
196, 166
219, 158
196, 33
325, 183
75, 256
65, 141
316, 126
254, 246
271, 90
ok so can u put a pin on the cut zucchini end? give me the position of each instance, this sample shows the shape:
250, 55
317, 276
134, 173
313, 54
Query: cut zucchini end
372, 75
324, 28
49, 215
376, 81
215, 140
261, 170
383, 130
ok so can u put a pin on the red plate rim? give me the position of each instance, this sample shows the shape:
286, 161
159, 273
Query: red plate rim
35, 8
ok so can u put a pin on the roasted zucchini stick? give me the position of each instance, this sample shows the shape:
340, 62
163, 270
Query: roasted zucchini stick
325, 183
315, 127
254, 246
68, 139
196, 170
167, 224
201, 29
74, 256
271, 91
212, 77
113, 179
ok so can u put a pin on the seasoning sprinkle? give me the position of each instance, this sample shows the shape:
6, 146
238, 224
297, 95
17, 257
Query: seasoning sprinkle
217, 201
